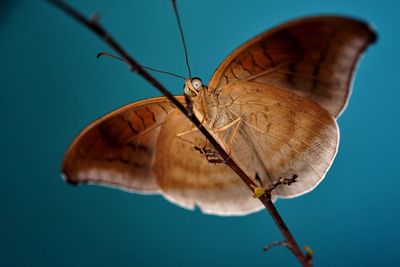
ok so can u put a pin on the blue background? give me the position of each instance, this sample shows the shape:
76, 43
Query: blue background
52, 85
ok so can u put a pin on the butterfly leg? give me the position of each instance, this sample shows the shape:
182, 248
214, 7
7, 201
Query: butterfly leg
180, 136
194, 129
211, 155
233, 135
187, 132
214, 156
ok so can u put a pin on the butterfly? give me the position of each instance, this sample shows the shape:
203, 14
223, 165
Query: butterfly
272, 104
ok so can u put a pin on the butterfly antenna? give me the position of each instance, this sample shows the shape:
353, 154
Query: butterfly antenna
144, 67
182, 36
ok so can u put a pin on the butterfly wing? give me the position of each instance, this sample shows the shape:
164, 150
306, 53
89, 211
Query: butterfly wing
187, 179
314, 57
119, 149
280, 135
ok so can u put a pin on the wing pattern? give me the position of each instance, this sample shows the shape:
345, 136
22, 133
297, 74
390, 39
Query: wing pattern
119, 148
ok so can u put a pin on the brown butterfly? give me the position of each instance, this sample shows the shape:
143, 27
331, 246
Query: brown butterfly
272, 105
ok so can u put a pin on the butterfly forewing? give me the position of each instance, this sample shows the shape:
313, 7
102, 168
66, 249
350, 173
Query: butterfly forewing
314, 57
118, 149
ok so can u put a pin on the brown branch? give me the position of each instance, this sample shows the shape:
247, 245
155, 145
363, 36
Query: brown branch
93, 25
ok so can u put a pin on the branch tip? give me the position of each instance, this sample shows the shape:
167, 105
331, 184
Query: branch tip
275, 244
285, 181
310, 252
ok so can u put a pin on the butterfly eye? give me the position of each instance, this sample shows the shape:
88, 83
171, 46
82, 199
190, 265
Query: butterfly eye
196, 83
188, 91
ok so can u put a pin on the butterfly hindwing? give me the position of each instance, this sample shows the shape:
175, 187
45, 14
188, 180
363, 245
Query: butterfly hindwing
188, 179
280, 135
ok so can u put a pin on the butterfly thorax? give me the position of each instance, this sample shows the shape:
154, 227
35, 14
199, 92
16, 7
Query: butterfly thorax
205, 107
205, 102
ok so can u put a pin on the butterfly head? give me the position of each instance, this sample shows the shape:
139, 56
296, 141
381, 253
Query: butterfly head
193, 87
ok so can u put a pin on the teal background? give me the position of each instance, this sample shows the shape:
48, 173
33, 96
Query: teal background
52, 85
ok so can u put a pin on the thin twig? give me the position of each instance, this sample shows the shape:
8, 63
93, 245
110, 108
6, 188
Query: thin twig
265, 199
275, 244
284, 181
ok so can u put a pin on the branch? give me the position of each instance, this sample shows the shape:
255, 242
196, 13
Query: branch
94, 26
